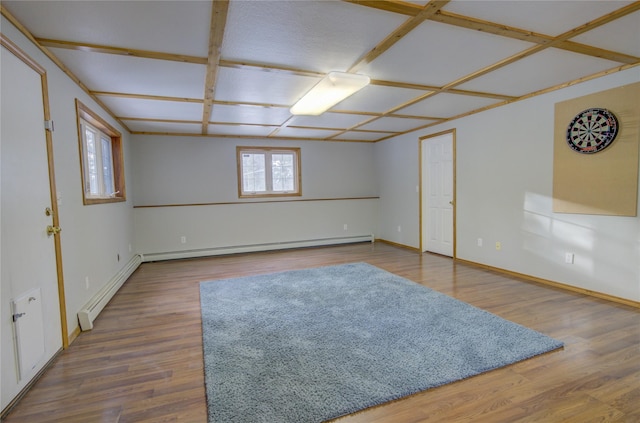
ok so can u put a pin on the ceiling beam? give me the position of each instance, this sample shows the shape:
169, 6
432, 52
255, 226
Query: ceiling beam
602, 20
234, 64
249, 104
442, 16
623, 11
139, 119
598, 52
409, 25
98, 48
526, 96
528, 36
147, 97
421, 87
410, 9
302, 72
428, 10
246, 137
553, 43
219, 11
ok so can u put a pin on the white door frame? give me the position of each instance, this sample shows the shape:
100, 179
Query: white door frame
423, 218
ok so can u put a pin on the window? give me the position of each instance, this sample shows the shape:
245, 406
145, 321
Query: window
101, 158
268, 172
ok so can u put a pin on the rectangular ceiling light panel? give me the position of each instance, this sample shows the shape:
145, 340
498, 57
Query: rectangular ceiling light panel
331, 90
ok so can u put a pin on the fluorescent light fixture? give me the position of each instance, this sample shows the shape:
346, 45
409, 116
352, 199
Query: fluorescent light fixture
331, 90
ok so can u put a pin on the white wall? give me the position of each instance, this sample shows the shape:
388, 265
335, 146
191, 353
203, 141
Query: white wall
172, 170
504, 189
396, 165
92, 236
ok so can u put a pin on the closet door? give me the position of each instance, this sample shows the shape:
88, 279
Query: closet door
438, 194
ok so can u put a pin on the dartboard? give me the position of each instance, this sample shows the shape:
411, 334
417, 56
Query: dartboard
592, 130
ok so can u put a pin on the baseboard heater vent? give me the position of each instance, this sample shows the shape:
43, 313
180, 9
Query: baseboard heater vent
90, 311
205, 252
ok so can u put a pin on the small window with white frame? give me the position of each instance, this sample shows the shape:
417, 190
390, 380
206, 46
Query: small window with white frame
268, 172
101, 158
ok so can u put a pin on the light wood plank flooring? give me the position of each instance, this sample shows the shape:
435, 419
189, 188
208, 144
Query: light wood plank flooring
142, 362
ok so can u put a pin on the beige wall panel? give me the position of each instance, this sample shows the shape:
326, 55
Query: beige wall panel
603, 183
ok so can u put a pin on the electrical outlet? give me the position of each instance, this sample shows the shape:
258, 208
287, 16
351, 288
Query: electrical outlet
183, 239
346, 227
399, 228
479, 242
498, 245
86, 282
568, 258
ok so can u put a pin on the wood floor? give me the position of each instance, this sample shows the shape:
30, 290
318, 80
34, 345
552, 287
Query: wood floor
142, 362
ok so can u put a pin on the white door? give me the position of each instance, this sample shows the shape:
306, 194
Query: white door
28, 256
438, 196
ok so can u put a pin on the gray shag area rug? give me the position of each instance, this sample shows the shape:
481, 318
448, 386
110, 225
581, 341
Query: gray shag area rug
312, 345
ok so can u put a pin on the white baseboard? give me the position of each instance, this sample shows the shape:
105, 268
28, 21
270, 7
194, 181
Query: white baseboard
205, 252
90, 311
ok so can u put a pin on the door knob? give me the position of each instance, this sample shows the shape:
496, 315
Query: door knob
53, 230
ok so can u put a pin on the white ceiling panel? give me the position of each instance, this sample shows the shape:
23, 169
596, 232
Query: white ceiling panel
378, 99
179, 27
151, 109
329, 120
256, 86
622, 35
395, 124
241, 130
541, 16
313, 35
164, 127
447, 105
305, 133
436, 53
249, 114
545, 69
126, 74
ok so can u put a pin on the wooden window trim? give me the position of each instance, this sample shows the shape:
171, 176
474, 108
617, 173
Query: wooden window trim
84, 113
298, 193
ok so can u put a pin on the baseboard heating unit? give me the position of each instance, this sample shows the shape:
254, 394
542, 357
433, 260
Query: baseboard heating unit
90, 311
214, 251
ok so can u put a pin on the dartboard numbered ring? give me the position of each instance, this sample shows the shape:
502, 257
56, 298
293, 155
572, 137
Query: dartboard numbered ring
592, 130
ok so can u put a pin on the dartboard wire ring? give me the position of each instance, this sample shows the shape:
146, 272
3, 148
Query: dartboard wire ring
592, 130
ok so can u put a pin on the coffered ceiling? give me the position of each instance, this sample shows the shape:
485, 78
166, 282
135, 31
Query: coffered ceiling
233, 69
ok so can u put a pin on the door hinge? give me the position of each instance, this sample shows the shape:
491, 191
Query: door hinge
48, 125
